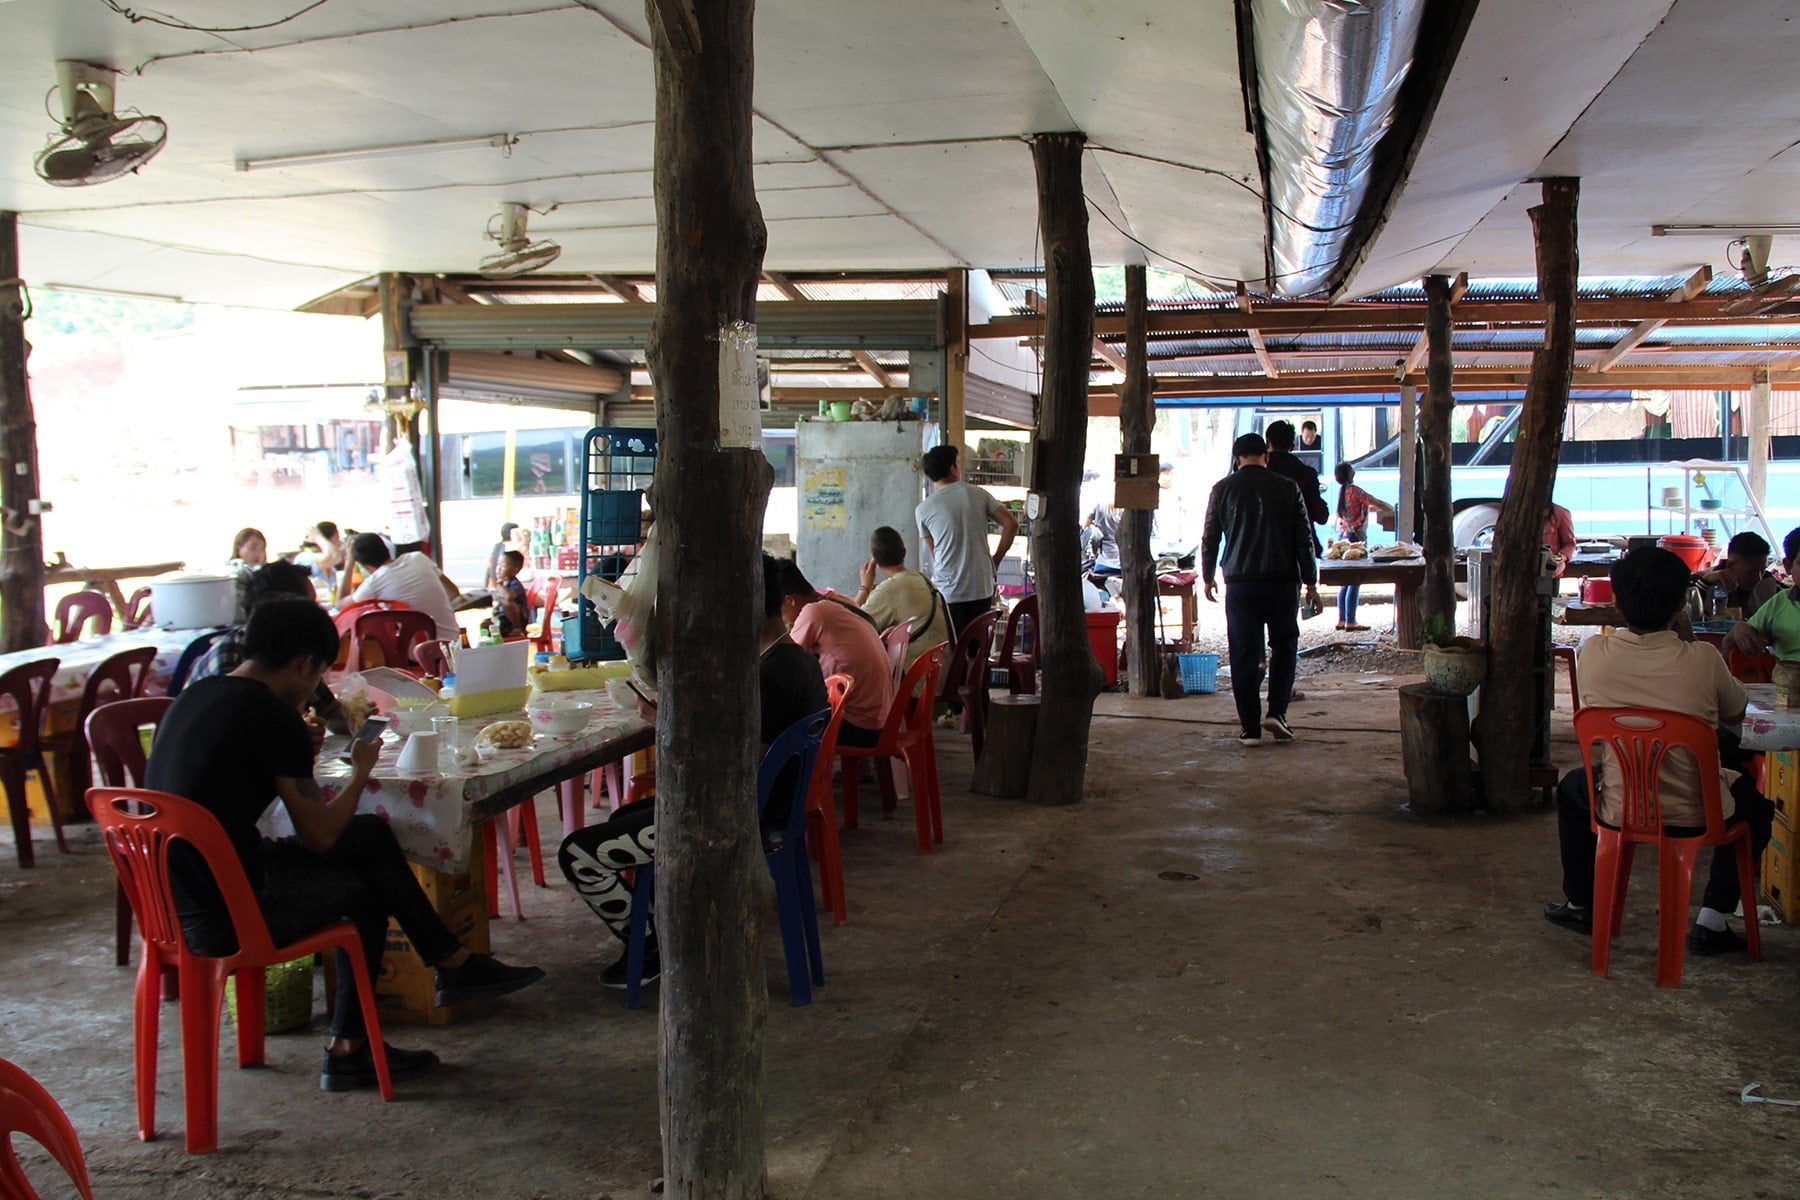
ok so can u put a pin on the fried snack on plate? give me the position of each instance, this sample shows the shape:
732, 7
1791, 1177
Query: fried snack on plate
508, 735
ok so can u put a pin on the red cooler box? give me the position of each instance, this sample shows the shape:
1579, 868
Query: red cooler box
1103, 636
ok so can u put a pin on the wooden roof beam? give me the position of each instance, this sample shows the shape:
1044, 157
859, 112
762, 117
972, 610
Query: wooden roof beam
613, 285
1261, 348
863, 358
1034, 300
1695, 284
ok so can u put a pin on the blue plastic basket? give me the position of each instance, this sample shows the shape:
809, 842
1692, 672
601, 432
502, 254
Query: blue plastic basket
614, 518
1199, 673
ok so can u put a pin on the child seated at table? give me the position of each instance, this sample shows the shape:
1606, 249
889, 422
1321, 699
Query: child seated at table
1647, 665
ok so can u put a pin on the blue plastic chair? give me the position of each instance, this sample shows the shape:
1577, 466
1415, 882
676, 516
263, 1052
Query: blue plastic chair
184, 666
788, 864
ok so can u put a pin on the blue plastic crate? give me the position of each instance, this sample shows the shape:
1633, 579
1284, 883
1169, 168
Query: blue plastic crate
587, 639
1199, 673
615, 518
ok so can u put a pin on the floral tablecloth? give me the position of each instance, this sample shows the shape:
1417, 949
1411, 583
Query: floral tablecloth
431, 814
1767, 727
77, 660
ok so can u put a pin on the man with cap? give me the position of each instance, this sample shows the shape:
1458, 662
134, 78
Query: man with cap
411, 579
1267, 557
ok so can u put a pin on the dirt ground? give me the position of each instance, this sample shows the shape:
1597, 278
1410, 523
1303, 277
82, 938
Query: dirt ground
1229, 972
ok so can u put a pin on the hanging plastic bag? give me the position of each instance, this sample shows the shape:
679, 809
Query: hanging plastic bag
631, 604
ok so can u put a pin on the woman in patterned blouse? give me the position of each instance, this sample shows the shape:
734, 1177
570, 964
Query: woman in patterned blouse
1353, 507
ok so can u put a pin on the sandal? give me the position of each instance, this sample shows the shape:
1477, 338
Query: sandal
1340, 626
1353, 627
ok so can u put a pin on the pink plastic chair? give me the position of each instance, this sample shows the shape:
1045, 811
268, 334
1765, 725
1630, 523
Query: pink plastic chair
1021, 665
123, 676
1640, 740
895, 641
28, 687
115, 735
78, 611
394, 634
27, 1108
137, 609
139, 827
821, 806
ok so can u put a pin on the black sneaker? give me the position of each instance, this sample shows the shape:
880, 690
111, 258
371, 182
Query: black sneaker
1278, 728
1250, 739
480, 977
1702, 940
1570, 916
618, 975
348, 1072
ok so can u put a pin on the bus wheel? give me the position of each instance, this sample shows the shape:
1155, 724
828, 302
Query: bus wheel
1474, 524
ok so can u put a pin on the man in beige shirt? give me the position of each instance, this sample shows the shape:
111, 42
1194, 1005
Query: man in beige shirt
1648, 666
891, 594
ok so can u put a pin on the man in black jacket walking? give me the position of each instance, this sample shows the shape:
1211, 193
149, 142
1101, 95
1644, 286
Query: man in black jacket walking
1283, 461
1268, 555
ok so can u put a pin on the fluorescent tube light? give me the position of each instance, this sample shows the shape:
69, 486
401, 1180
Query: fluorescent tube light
498, 141
1721, 230
111, 293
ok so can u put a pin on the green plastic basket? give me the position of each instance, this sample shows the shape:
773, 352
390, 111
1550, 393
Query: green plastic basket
287, 991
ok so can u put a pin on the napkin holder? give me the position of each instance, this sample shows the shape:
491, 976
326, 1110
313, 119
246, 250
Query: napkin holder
490, 679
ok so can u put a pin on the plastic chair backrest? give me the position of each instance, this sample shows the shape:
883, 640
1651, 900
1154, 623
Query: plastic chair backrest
1640, 740
798, 744
195, 651
1026, 609
894, 641
396, 632
28, 687
913, 702
345, 621
973, 643
76, 611
139, 826
1749, 668
122, 676
113, 734
542, 592
27, 1107
431, 658
137, 609
836, 688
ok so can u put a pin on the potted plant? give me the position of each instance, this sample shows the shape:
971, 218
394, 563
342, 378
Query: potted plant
1454, 666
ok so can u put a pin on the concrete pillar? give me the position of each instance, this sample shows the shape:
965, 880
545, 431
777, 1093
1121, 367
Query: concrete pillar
1756, 425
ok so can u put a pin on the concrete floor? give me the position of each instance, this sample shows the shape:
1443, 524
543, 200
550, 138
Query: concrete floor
1228, 973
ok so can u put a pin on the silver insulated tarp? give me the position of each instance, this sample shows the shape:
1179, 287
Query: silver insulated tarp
1328, 76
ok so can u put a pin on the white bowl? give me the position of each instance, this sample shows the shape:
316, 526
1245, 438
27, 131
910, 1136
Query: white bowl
560, 718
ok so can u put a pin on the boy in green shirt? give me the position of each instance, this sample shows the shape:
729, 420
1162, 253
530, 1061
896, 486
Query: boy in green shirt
1775, 627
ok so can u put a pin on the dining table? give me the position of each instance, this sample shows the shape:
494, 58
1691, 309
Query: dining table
106, 580
435, 813
1767, 725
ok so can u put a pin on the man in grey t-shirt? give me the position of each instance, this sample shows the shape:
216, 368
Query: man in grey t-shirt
953, 523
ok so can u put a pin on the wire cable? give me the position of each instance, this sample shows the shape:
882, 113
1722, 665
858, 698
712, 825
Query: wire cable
177, 23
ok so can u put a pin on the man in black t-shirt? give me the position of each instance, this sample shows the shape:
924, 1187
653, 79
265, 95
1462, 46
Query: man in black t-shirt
235, 742
592, 859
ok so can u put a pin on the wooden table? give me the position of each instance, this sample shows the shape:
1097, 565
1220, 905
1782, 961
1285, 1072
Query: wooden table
1407, 576
106, 579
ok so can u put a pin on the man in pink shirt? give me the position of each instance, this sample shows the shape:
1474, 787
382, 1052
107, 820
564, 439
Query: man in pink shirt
845, 640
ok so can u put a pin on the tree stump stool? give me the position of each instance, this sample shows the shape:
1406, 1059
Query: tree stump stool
1434, 741
1003, 768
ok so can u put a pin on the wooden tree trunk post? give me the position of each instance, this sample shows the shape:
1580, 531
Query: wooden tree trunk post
1507, 707
1069, 677
22, 542
1434, 746
1137, 414
1003, 768
1437, 599
712, 885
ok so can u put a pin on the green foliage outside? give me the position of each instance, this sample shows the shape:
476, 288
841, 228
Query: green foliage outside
73, 313
1109, 286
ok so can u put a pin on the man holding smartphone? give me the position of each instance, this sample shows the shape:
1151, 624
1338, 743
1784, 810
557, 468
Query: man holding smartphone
235, 742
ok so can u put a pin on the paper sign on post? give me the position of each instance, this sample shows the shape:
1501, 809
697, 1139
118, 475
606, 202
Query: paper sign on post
740, 409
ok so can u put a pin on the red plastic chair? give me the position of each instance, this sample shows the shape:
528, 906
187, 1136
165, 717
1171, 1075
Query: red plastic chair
905, 734
139, 826
391, 635
77, 612
821, 807
137, 610
966, 677
1749, 668
123, 676
345, 621
500, 838
28, 688
27, 1108
542, 594
895, 641
115, 735
1640, 740
1021, 665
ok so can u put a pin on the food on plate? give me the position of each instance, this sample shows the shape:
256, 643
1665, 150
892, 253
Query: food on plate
508, 735
357, 708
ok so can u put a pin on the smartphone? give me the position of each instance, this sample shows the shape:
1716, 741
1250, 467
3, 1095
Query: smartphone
371, 729
638, 692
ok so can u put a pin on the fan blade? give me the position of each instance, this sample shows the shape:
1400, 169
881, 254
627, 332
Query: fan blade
67, 166
1763, 297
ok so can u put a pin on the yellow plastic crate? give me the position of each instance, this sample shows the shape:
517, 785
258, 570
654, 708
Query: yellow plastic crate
577, 679
483, 704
